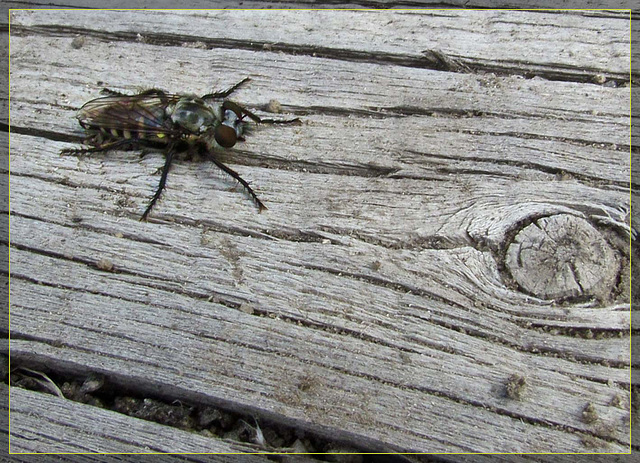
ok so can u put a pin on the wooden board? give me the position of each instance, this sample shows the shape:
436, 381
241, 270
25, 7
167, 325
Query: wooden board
44, 422
31, 410
372, 302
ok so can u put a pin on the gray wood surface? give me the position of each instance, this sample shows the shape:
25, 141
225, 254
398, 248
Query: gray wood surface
371, 302
64, 426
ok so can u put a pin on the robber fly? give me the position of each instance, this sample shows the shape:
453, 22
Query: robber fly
171, 122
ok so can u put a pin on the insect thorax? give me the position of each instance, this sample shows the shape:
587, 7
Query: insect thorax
192, 114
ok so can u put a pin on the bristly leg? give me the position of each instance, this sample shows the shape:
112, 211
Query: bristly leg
163, 180
108, 91
161, 93
281, 121
148, 92
115, 145
241, 110
235, 175
227, 92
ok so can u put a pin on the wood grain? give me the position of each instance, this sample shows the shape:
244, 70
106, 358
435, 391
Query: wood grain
371, 302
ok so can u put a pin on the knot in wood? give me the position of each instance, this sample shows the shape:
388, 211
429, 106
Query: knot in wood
561, 257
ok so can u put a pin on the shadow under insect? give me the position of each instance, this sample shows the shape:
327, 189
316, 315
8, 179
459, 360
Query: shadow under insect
176, 124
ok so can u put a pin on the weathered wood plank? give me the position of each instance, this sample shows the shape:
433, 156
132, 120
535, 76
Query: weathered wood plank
45, 423
324, 313
63, 420
410, 270
557, 45
322, 84
370, 301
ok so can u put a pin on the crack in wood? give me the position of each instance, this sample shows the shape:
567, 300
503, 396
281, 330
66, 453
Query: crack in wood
80, 225
530, 348
317, 167
521, 164
532, 136
377, 281
570, 74
242, 157
218, 298
41, 133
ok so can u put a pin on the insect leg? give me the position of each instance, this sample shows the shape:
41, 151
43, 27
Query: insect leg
151, 91
242, 111
163, 180
108, 91
295, 120
235, 175
98, 149
227, 92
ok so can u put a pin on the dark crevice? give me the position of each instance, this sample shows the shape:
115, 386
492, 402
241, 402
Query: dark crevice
87, 262
219, 298
531, 136
147, 392
241, 157
520, 164
40, 133
292, 235
247, 158
573, 331
535, 348
188, 411
214, 297
431, 59
488, 174
378, 281
75, 347
78, 224
380, 112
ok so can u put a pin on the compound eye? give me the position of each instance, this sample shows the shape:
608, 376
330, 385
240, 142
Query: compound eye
225, 136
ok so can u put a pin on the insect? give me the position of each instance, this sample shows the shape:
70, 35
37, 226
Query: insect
175, 123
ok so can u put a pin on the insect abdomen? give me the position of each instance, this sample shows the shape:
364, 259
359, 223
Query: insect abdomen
127, 134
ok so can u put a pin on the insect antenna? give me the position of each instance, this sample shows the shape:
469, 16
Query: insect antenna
163, 180
236, 176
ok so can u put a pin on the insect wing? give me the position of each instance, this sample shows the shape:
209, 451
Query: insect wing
142, 114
